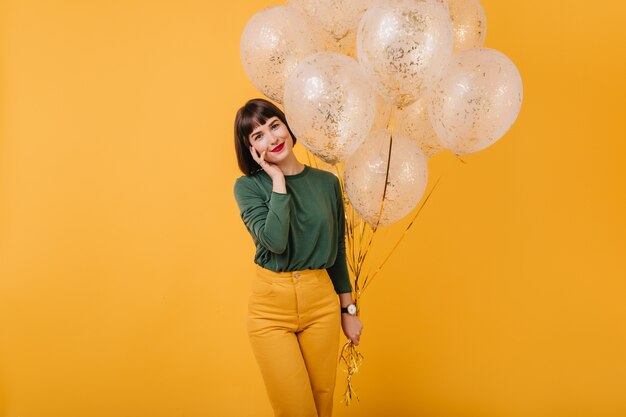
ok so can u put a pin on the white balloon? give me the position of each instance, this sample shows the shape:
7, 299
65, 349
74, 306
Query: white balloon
383, 113
414, 123
404, 45
272, 44
336, 20
329, 105
469, 24
365, 172
476, 101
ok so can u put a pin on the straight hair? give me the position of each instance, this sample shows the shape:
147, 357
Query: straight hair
254, 113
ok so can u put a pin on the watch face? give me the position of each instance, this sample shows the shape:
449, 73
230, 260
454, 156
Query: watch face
352, 309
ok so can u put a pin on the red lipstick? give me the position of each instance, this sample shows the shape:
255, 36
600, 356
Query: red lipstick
279, 147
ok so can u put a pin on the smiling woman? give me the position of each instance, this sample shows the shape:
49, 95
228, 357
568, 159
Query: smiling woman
274, 136
295, 216
259, 124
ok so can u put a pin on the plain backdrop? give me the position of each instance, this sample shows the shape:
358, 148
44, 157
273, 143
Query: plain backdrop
125, 267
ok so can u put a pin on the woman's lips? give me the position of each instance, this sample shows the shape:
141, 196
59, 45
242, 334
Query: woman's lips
279, 147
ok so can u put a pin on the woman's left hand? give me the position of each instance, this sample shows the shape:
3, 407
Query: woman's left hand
352, 327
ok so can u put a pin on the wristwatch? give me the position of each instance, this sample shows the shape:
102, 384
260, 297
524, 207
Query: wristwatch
350, 309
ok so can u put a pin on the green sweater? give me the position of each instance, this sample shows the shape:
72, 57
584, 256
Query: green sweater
302, 229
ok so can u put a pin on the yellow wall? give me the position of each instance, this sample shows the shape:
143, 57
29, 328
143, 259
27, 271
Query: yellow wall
124, 265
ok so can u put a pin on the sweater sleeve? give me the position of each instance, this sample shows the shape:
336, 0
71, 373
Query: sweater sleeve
339, 271
267, 222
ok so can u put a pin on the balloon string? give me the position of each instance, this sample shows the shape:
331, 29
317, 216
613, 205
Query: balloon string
361, 245
353, 359
349, 219
349, 353
390, 118
382, 200
369, 278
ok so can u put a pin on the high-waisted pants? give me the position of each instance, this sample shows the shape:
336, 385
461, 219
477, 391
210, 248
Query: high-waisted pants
293, 323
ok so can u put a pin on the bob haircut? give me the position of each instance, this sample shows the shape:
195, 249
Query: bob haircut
254, 113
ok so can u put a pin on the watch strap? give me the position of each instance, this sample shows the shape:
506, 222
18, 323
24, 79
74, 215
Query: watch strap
346, 309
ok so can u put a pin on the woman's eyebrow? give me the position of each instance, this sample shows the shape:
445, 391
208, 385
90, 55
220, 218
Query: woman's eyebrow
272, 120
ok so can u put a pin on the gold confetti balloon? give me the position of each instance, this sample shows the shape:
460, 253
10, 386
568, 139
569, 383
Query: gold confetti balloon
364, 178
329, 105
476, 101
336, 21
383, 113
414, 122
404, 45
469, 24
272, 44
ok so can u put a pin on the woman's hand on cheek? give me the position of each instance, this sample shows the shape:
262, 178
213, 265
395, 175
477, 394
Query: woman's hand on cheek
271, 169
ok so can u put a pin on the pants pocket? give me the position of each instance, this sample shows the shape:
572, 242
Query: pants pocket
324, 280
262, 287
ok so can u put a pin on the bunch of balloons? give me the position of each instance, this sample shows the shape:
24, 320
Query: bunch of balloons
343, 69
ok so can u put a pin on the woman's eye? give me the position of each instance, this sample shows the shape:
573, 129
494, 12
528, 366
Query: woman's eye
275, 126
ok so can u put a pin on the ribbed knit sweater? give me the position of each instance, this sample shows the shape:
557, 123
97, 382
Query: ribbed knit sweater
302, 229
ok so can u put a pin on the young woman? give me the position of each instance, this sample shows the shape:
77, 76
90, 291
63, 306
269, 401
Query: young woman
301, 291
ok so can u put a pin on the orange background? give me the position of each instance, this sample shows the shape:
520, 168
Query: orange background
125, 268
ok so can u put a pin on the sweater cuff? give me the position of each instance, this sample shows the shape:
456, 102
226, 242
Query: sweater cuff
278, 201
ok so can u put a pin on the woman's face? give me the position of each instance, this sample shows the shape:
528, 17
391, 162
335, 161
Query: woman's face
273, 137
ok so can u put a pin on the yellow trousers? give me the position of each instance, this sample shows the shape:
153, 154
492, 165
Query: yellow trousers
293, 326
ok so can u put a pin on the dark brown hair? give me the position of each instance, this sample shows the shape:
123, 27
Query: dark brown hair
252, 114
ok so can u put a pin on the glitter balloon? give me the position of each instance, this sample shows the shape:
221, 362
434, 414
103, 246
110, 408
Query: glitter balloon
476, 101
404, 45
414, 123
469, 24
336, 20
364, 178
329, 105
273, 42
383, 113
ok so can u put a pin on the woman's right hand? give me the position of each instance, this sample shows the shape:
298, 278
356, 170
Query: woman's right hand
271, 169
352, 327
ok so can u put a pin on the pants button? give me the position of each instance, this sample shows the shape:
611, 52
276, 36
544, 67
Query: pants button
297, 275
